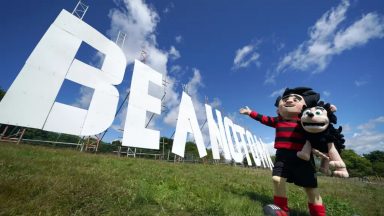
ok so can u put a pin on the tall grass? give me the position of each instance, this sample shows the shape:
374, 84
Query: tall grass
44, 181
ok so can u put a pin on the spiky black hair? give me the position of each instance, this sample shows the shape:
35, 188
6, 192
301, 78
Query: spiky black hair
310, 97
331, 134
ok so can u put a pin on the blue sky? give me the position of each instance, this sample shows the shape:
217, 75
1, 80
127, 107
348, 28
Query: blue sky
230, 54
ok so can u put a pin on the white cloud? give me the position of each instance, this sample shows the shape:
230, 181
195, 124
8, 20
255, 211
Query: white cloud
170, 100
85, 98
121, 116
157, 59
368, 27
326, 93
367, 138
327, 39
194, 83
280, 46
192, 89
347, 128
175, 68
171, 116
174, 53
122, 113
363, 80
97, 60
366, 143
234, 116
138, 21
216, 103
245, 56
315, 53
172, 97
193, 86
178, 39
370, 125
168, 8
359, 83
277, 93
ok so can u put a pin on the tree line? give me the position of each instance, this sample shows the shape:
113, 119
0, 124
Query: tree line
371, 164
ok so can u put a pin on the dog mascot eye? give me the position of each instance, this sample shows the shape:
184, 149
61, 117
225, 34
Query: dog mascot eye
319, 111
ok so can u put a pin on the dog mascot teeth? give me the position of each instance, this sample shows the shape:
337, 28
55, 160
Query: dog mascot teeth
323, 139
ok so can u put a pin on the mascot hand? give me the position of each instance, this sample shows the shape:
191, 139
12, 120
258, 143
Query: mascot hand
337, 164
341, 174
320, 154
245, 110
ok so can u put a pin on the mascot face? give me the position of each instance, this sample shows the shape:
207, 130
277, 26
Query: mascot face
315, 119
290, 106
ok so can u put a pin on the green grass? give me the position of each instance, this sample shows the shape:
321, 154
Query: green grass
38, 180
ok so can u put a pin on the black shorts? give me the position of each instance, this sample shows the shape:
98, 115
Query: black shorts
294, 169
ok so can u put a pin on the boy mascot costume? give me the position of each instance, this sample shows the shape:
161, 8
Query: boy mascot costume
318, 123
288, 141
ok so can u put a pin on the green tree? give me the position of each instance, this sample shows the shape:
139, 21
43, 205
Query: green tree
378, 168
377, 160
167, 144
375, 156
116, 143
107, 147
209, 154
356, 164
191, 151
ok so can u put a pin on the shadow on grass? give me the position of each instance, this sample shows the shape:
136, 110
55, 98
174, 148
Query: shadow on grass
265, 200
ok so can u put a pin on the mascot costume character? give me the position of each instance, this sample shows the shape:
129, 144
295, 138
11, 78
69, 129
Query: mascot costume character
318, 123
289, 140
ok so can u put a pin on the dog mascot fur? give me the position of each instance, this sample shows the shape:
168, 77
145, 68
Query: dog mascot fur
323, 139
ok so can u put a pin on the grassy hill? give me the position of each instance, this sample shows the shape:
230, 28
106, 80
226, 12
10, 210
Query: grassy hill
44, 181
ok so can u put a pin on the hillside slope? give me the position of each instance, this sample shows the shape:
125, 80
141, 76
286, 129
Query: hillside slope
39, 180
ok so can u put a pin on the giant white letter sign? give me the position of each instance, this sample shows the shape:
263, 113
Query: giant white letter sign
187, 122
217, 134
135, 133
237, 156
254, 150
239, 133
267, 155
264, 157
30, 101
